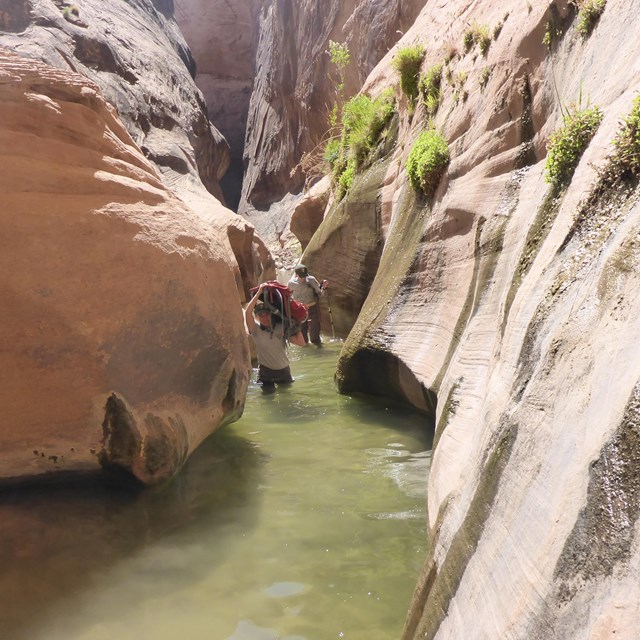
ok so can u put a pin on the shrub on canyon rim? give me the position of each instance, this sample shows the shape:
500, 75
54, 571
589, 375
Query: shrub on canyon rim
590, 12
427, 161
567, 143
626, 157
363, 122
407, 62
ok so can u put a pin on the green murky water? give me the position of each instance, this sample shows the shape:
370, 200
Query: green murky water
303, 521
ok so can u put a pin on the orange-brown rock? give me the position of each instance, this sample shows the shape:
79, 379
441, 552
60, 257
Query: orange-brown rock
117, 347
136, 54
295, 87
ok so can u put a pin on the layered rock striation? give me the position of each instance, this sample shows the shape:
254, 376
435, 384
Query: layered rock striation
506, 308
116, 351
137, 56
135, 53
295, 89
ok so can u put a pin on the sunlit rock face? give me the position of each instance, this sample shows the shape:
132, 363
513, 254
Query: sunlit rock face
518, 312
118, 350
295, 89
136, 54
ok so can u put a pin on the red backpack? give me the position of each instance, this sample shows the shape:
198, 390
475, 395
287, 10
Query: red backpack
278, 299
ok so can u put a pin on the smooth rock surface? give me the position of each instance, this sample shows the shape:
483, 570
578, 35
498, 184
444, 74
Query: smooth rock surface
115, 349
519, 312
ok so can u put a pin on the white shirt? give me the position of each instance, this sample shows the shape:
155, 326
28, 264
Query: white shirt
271, 347
305, 290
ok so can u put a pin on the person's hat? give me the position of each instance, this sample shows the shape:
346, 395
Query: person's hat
301, 270
260, 306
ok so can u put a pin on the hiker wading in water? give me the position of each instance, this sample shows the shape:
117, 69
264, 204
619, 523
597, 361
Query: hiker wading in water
271, 344
307, 289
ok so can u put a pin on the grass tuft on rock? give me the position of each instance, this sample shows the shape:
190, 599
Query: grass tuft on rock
590, 12
429, 86
427, 161
627, 142
364, 121
567, 143
407, 62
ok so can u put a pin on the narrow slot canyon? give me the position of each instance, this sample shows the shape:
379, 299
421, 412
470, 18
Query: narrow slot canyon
463, 177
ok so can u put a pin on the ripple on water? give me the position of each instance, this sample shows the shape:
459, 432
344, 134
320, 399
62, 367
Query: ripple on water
246, 630
412, 514
284, 589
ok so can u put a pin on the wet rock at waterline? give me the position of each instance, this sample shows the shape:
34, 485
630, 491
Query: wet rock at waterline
116, 351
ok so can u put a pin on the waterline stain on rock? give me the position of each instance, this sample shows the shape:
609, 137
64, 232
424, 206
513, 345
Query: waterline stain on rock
440, 584
603, 534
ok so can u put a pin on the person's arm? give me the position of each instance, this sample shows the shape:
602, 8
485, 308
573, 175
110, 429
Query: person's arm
315, 285
297, 339
248, 312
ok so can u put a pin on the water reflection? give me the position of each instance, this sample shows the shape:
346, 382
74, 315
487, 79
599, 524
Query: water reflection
303, 521
54, 541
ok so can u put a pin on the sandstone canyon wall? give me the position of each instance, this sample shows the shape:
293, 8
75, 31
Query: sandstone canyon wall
123, 338
509, 311
503, 309
294, 90
222, 38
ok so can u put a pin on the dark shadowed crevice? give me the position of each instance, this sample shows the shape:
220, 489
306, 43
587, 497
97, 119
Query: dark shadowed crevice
141, 455
121, 440
98, 55
382, 374
165, 446
165, 7
526, 155
232, 403
15, 15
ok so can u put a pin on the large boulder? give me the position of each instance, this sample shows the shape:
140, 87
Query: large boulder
134, 51
122, 340
138, 57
